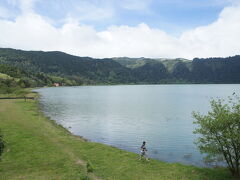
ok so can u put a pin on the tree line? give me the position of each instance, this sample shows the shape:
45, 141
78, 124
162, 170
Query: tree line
37, 68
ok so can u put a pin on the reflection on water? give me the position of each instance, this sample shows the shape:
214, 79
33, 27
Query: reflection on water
124, 116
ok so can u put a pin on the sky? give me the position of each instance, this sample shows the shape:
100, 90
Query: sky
113, 28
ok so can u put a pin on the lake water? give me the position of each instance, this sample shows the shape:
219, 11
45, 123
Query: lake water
124, 116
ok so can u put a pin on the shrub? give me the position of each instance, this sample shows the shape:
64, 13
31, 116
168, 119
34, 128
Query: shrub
220, 132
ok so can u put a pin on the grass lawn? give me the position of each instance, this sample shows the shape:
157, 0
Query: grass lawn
37, 148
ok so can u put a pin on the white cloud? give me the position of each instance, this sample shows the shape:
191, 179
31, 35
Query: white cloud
92, 10
135, 4
26, 6
220, 38
31, 31
4, 13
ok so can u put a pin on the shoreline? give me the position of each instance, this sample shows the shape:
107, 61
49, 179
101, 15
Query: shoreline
170, 84
89, 140
36, 144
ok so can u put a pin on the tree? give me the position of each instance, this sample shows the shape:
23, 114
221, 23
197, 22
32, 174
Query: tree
220, 132
181, 71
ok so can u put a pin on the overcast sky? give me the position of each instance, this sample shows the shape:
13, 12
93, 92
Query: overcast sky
113, 28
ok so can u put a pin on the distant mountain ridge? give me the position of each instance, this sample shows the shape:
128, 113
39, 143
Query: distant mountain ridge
137, 62
73, 70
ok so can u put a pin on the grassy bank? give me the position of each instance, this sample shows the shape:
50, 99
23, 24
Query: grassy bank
36, 148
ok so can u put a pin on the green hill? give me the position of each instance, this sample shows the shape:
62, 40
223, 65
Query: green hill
38, 68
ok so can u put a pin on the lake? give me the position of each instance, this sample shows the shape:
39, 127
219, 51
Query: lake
125, 115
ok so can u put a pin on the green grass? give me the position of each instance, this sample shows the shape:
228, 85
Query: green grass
37, 148
4, 76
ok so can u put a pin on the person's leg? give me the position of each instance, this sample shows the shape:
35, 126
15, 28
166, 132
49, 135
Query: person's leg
146, 157
141, 155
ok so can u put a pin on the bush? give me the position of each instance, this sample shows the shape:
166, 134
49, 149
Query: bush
220, 132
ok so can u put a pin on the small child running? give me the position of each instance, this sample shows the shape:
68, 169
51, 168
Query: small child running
143, 151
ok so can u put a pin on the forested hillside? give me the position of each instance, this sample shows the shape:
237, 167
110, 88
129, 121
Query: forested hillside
82, 70
38, 68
